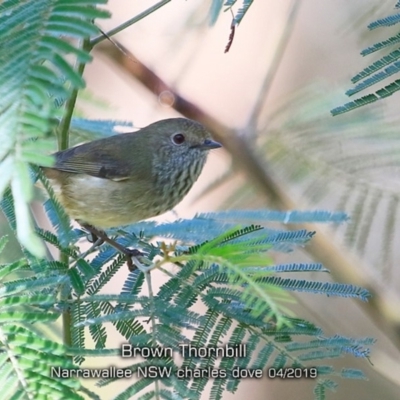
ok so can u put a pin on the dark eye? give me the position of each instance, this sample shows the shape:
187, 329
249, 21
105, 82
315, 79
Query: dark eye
178, 138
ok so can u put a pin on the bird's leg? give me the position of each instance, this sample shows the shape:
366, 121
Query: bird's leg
129, 253
94, 239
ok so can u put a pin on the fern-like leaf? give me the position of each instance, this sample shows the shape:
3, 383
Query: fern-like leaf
35, 64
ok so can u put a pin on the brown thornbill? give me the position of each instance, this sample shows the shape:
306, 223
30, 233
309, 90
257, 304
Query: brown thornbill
129, 177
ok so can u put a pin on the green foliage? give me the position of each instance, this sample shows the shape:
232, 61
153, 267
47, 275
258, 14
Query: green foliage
241, 11
347, 163
220, 260
229, 271
379, 70
217, 5
25, 356
35, 42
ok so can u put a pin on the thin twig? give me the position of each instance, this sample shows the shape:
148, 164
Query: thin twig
128, 23
63, 143
121, 48
231, 35
273, 68
153, 325
63, 138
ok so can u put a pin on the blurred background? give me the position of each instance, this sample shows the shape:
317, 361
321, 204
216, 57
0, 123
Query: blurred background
270, 96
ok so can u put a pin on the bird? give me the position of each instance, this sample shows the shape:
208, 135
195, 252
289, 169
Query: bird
129, 177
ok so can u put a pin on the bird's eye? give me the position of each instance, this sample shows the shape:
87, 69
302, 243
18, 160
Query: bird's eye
178, 138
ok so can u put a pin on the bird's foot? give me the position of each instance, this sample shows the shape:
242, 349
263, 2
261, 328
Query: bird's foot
92, 238
132, 254
101, 237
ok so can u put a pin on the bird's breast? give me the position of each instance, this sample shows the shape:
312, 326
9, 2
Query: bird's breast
174, 183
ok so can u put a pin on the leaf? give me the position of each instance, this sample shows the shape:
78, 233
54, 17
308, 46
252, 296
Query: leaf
35, 66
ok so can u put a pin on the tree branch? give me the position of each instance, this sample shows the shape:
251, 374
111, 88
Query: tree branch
383, 307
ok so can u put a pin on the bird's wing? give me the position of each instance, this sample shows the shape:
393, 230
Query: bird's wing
98, 159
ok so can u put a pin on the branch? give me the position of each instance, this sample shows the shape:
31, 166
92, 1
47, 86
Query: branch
383, 308
128, 23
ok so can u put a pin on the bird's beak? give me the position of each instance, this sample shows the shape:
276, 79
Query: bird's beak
209, 144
